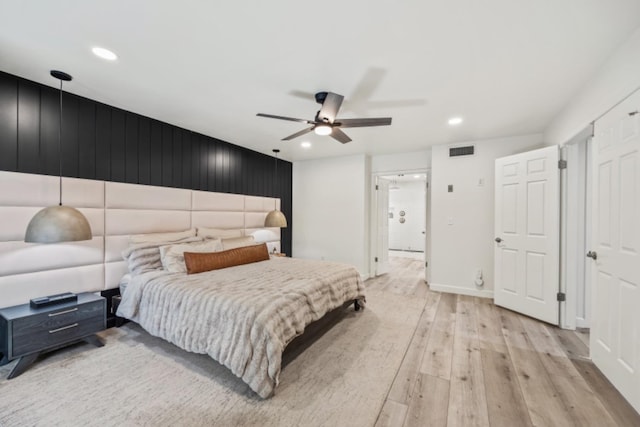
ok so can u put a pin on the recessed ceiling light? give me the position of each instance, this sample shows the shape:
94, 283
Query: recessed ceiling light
305, 144
455, 121
416, 176
104, 53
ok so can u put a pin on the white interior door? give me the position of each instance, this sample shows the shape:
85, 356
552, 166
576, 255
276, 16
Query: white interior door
615, 325
382, 196
527, 221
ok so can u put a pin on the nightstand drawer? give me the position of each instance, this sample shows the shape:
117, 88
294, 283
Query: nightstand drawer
57, 318
40, 338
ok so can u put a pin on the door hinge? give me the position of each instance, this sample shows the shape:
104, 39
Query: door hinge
426, 263
561, 296
376, 259
562, 164
376, 186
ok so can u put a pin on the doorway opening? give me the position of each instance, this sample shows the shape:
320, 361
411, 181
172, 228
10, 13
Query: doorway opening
400, 224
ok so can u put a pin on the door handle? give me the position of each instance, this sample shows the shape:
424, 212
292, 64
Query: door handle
498, 240
593, 255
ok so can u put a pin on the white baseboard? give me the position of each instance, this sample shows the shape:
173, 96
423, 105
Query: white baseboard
582, 323
482, 293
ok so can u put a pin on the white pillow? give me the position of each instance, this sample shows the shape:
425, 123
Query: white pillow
162, 237
172, 256
142, 257
237, 242
218, 233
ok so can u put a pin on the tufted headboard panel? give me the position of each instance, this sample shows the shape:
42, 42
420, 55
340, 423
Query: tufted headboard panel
115, 211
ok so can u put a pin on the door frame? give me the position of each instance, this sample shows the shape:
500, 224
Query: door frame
373, 213
574, 231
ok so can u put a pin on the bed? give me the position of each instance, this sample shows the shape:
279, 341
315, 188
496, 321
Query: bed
283, 295
242, 316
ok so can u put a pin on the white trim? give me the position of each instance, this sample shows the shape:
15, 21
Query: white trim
461, 290
568, 237
574, 279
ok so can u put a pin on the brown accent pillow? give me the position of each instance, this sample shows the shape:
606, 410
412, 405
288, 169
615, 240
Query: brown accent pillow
198, 262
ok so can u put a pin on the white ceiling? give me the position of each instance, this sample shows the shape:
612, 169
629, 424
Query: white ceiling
506, 66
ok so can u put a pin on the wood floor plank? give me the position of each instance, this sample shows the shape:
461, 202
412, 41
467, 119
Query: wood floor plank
392, 414
407, 375
540, 395
584, 407
439, 351
429, 404
505, 403
583, 334
572, 345
467, 399
489, 327
619, 409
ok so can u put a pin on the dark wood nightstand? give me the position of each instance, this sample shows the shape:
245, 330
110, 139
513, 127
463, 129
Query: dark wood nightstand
26, 332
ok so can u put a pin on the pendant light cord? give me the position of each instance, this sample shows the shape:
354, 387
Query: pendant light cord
276, 161
60, 146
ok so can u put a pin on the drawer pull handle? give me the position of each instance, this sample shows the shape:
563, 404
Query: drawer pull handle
53, 331
63, 312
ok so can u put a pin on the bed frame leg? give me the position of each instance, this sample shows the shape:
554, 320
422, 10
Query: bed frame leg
356, 305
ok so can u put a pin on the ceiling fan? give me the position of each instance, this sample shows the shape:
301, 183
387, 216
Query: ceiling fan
326, 123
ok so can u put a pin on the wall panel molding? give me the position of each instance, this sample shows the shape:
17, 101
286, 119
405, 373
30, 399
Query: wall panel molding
107, 143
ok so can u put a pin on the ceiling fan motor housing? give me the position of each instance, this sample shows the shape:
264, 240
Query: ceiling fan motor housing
320, 97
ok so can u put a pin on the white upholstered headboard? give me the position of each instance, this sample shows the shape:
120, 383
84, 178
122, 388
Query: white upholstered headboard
115, 211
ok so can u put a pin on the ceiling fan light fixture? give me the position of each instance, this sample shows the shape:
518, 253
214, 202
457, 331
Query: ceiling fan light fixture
322, 130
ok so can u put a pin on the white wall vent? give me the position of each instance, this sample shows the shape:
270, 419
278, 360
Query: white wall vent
461, 151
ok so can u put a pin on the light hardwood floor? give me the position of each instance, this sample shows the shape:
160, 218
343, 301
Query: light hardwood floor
471, 363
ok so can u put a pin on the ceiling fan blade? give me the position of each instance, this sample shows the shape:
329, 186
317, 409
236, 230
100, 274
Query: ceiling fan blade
330, 107
358, 123
339, 135
297, 134
291, 119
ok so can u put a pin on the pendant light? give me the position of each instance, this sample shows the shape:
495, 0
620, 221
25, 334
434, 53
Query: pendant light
55, 224
276, 218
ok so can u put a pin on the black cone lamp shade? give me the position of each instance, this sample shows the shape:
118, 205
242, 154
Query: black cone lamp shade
56, 224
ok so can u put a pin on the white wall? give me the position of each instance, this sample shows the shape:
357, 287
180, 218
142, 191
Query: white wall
409, 197
616, 79
417, 160
462, 221
330, 210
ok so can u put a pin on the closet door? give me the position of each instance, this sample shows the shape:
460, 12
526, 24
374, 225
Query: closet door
615, 252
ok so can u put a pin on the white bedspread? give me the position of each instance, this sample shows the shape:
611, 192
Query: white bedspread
242, 316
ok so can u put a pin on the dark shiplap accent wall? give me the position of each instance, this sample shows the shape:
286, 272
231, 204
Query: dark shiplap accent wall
106, 143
